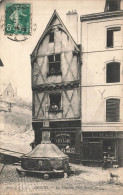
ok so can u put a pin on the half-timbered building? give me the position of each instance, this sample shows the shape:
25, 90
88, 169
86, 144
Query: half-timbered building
56, 88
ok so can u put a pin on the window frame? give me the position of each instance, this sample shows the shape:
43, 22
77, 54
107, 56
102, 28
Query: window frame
106, 73
59, 105
54, 63
112, 29
51, 37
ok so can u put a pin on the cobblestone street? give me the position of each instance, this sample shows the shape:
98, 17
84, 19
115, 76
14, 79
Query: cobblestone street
87, 180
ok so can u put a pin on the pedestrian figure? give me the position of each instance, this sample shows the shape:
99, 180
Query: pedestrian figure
104, 166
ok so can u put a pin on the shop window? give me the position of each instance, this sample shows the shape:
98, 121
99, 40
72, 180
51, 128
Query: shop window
55, 102
54, 65
112, 110
109, 148
92, 149
113, 72
65, 140
112, 5
113, 37
51, 37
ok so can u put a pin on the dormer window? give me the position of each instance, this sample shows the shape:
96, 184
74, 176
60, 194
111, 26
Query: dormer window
54, 65
51, 37
112, 5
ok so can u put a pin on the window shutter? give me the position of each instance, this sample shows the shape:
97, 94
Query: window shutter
117, 38
113, 110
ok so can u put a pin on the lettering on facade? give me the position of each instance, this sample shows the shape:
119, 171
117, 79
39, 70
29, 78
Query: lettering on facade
104, 134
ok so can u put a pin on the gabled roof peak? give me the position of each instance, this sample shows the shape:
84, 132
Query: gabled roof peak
49, 26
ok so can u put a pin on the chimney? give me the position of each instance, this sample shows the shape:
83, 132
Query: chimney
72, 24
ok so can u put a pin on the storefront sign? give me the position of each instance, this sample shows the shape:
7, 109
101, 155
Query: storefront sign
103, 134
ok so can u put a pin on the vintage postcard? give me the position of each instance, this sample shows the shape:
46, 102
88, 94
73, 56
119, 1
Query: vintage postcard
61, 97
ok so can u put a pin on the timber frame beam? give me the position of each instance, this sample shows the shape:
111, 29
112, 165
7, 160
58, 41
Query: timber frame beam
63, 85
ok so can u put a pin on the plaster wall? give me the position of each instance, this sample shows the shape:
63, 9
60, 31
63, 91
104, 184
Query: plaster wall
69, 62
95, 56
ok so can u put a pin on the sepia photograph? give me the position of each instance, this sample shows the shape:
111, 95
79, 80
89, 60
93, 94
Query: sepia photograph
61, 97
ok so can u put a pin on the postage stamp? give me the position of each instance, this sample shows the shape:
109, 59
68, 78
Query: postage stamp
17, 19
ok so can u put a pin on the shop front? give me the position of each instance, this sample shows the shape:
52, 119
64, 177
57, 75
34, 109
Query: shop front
68, 141
65, 134
98, 146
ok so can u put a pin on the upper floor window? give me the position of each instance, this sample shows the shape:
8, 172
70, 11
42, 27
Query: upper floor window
112, 110
51, 37
113, 37
113, 72
55, 102
112, 5
54, 64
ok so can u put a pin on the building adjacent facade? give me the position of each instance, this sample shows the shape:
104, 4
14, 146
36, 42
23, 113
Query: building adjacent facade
102, 84
56, 86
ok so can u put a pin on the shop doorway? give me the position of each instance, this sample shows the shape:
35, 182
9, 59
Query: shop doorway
109, 148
